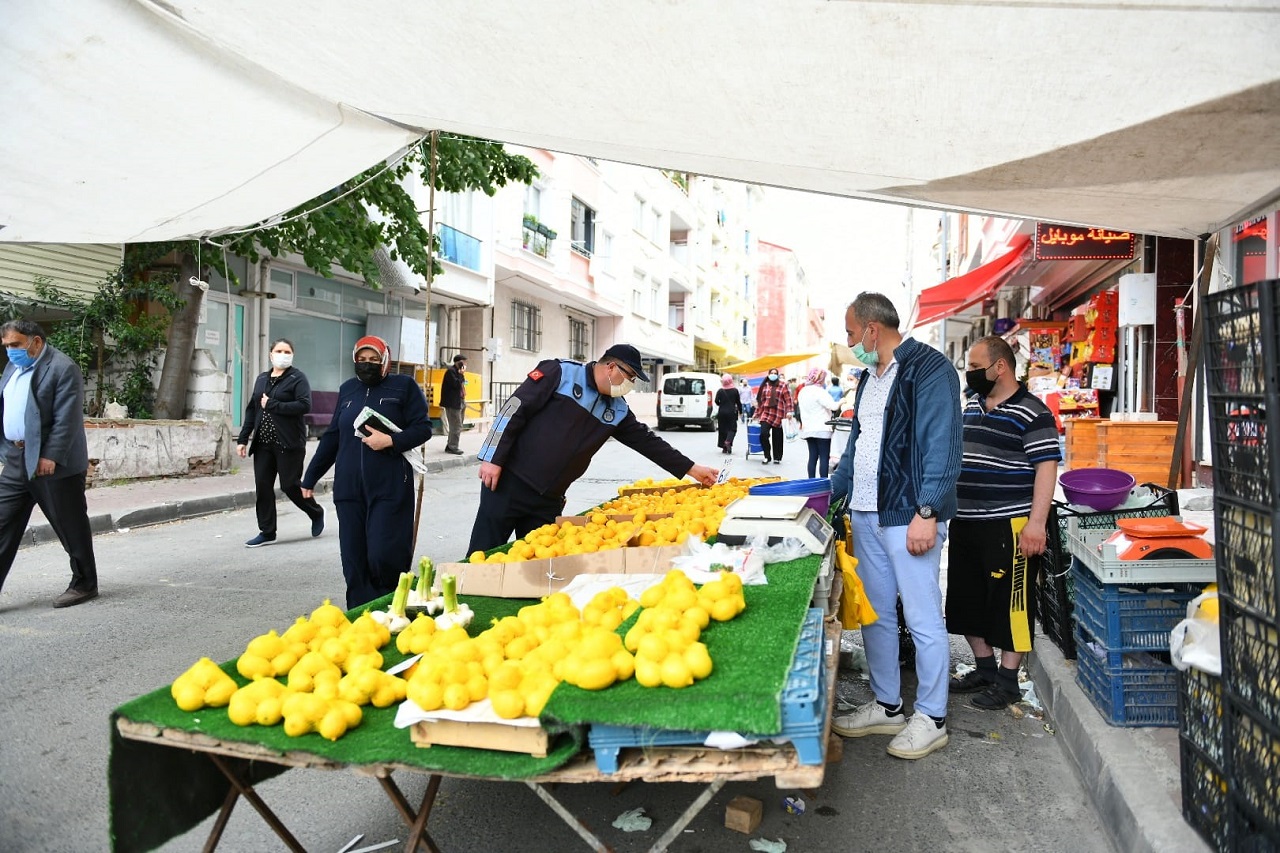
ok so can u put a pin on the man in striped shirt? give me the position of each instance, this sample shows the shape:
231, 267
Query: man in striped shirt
1007, 478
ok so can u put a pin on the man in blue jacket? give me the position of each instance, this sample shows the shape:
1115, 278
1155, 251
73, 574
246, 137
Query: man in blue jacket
898, 478
546, 434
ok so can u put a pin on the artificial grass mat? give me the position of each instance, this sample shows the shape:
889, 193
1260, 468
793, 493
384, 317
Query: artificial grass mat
751, 653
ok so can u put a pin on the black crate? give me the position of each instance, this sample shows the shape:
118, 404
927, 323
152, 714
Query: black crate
1200, 712
1251, 658
1246, 832
1239, 336
1204, 794
1246, 555
1243, 467
1251, 747
1055, 585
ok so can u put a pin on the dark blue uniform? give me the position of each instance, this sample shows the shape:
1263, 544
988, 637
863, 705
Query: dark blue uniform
544, 438
372, 489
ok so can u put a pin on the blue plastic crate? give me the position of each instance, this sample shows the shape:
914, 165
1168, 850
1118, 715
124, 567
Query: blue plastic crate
803, 704
1125, 619
1142, 691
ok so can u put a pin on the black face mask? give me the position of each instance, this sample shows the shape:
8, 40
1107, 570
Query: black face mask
369, 372
978, 381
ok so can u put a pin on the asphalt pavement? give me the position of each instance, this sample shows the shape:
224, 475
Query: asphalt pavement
177, 584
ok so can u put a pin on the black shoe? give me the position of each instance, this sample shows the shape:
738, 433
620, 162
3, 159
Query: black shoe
766, 461
73, 596
455, 451
995, 698
317, 526
777, 462
263, 539
971, 682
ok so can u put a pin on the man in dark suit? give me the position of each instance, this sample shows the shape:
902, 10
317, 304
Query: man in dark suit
45, 455
453, 392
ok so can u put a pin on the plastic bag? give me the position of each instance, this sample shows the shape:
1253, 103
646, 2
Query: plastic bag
783, 551
790, 429
703, 563
1195, 642
855, 609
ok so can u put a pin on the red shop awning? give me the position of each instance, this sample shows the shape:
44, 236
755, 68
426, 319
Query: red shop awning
952, 297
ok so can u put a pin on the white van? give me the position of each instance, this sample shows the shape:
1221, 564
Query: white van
685, 399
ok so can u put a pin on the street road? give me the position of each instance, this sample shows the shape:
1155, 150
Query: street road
173, 593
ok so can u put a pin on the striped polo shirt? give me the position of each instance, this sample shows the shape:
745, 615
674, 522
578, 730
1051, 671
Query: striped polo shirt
1001, 449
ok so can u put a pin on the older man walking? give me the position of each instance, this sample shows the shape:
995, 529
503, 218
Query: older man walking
45, 454
898, 475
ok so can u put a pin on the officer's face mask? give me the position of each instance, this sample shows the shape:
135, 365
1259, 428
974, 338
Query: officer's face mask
623, 389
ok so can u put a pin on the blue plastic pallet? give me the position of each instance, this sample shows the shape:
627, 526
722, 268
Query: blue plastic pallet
1134, 621
803, 705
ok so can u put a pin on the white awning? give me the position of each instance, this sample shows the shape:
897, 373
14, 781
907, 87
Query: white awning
131, 120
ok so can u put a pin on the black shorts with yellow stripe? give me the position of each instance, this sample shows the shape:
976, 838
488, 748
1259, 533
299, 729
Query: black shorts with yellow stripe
991, 583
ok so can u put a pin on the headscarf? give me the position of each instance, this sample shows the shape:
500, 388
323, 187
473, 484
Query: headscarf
726, 381
817, 376
379, 346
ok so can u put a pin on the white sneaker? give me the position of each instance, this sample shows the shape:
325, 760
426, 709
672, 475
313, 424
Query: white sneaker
869, 719
919, 737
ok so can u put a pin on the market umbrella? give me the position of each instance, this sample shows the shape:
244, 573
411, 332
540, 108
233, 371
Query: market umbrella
765, 363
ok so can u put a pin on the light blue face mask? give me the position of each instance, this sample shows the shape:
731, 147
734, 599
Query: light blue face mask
19, 357
870, 359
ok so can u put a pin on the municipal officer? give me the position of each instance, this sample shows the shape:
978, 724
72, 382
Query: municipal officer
373, 482
548, 431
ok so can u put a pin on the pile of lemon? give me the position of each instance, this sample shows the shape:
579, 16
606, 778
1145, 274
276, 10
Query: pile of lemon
665, 638
331, 666
599, 533
696, 512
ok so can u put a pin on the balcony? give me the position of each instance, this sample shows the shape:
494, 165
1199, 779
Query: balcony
680, 179
537, 237
458, 247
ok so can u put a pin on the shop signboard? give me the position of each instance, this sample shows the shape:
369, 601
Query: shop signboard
1075, 243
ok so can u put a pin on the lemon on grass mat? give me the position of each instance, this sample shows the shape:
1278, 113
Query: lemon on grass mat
751, 654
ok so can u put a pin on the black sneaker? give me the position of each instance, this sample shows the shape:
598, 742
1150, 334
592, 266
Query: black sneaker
995, 698
971, 682
259, 540
317, 524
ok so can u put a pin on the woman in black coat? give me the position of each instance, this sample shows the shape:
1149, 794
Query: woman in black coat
281, 396
728, 410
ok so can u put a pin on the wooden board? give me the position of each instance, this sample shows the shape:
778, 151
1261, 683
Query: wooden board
530, 739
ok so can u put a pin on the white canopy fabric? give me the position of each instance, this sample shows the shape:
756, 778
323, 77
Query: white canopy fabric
135, 120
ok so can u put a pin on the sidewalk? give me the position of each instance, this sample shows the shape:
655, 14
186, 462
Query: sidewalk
146, 502
1131, 775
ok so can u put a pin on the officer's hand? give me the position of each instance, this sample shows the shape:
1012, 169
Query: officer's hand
489, 474
45, 467
241, 450
704, 475
377, 440
921, 534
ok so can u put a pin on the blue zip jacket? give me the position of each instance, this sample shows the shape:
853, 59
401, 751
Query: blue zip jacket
922, 443
363, 473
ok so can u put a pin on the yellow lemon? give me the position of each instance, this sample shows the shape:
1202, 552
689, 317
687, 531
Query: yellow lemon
724, 610
652, 647
698, 659
535, 701
675, 672
427, 695
698, 616
651, 596
648, 672
477, 687
598, 643
596, 674
624, 664
633, 638
507, 704
457, 697
1208, 609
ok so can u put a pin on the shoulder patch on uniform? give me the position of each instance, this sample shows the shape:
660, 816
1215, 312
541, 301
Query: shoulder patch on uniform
535, 375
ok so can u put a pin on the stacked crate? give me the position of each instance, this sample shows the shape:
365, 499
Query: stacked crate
1055, 586
1242, 333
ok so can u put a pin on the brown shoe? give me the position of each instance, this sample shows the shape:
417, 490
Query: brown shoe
72, 597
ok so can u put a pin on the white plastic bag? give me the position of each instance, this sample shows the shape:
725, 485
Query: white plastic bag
1195, 642
703, 562
790, 429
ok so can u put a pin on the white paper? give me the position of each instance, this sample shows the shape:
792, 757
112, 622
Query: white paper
477, 712
583, 588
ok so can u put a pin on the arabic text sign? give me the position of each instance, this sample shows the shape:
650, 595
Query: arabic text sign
1073, 243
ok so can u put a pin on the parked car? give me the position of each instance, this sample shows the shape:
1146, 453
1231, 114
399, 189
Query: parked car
684, 399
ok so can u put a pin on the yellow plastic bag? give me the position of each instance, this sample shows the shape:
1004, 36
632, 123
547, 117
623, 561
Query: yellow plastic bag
855, 609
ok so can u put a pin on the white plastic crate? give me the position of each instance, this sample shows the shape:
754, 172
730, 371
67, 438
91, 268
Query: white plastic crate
1091, 547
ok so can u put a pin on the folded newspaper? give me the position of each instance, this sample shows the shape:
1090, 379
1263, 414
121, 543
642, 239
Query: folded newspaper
369, 419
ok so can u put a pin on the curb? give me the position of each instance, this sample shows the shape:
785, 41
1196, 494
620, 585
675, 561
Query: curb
163, 513
1138, 813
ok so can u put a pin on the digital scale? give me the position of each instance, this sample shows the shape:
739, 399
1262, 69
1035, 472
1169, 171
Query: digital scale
777, 517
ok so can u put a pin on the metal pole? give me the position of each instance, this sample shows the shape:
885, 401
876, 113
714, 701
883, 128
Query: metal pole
426, 327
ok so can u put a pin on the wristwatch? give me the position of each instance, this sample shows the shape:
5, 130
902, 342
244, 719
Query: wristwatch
925, 511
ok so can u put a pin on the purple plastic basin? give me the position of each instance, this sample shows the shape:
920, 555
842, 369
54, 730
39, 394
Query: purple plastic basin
1099, 488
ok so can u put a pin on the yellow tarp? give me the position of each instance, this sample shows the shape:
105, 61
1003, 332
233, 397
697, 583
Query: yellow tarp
765, 363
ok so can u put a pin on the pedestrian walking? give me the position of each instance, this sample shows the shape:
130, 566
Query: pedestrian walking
1007, 480
815, 406
372, 481
275, 436
45, 454
748, 400
774, 404
728, 411
453, 396
898, 480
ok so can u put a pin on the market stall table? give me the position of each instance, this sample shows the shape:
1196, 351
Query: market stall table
191, 771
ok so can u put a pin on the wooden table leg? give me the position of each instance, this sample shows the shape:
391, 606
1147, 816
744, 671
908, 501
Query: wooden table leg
224, 815
418, 834
246, 790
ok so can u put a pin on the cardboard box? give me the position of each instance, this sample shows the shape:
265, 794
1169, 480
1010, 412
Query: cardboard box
537, 578
530, 739
656, 490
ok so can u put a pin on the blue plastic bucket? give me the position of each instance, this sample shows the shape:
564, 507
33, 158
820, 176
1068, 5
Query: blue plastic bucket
817, 490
